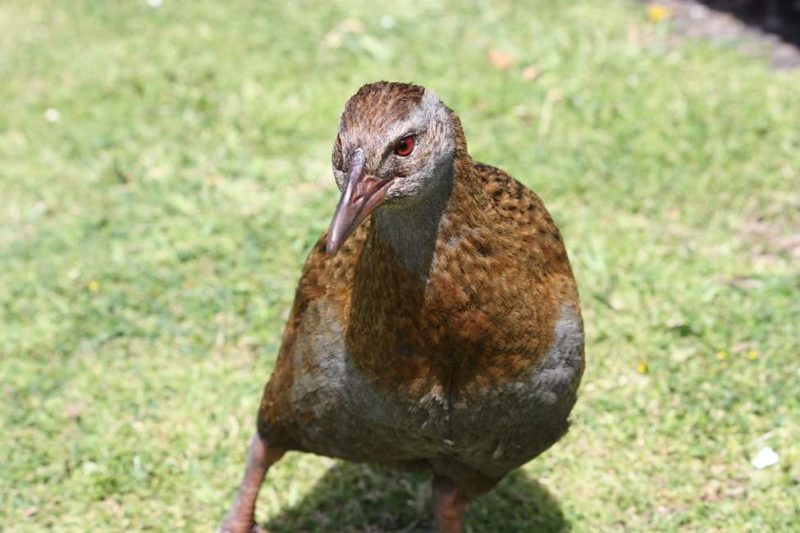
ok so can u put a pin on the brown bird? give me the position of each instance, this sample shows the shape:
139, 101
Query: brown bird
436, 325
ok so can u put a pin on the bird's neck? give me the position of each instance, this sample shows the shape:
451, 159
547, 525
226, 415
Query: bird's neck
411, 231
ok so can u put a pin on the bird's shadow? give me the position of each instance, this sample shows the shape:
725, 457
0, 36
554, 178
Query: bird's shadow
355, 497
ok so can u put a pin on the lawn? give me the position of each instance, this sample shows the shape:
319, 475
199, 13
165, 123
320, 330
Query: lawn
164, 170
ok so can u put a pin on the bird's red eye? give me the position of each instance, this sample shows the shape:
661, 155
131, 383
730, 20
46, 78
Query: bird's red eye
405, 146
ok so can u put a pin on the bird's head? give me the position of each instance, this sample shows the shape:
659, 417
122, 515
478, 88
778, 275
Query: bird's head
396, 143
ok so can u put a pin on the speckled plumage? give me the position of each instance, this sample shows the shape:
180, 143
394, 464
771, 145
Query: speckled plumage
467, 365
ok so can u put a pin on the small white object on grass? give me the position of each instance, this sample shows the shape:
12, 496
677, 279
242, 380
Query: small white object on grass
52, 115
387, 22
154, 3
765, 457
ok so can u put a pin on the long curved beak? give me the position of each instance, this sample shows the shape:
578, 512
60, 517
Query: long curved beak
362, 194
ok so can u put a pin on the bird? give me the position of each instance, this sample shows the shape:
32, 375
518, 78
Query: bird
436, 324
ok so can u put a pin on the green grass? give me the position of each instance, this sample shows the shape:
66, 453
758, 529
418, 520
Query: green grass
150, 240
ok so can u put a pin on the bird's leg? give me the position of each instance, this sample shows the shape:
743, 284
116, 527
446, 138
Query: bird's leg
449, 505
241, 517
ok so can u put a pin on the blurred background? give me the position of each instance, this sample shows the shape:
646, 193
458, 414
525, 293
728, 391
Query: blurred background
164, 169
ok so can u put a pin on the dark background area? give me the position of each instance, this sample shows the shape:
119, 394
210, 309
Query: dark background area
781, 17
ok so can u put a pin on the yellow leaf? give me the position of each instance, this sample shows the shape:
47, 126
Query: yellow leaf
530, 73
499, 59
657, 13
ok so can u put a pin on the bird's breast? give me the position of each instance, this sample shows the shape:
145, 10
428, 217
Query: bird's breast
348, 410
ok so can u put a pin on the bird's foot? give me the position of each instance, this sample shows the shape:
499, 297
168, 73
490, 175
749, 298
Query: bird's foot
235, 525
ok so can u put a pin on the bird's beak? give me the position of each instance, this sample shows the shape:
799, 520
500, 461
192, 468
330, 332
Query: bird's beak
362, 194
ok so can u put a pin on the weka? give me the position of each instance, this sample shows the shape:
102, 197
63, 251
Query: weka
436, 325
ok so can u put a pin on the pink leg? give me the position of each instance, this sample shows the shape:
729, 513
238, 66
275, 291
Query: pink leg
449, 505
242, 516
